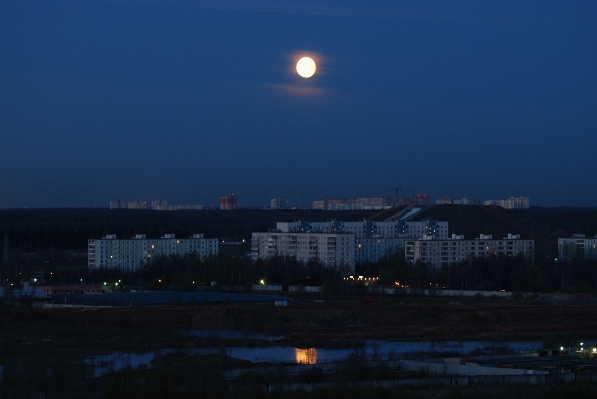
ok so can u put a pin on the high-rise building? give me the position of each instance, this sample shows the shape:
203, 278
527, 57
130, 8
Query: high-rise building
159, 205
228, 202
279, 203
117, 204
441, 253
329, 249
133, 204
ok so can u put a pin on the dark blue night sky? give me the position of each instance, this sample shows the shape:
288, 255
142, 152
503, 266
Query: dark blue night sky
186, 101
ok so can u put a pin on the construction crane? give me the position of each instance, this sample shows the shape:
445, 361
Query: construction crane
395, 189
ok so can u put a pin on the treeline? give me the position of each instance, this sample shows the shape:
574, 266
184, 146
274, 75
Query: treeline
493, 273
69, 229
187, 272
561, 221
545, 273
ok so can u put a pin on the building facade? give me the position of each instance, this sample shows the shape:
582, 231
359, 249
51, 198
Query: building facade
330, 249
370, 228
279, 203
228, 202
455, 201
131, 254
159, 205
510, 203
134, 204
577, 245
442, 253
118, 205
374, 249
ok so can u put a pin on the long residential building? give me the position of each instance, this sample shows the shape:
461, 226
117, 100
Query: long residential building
131, 254
510, 203
578, 245
330, 249
441, 253
370, 229
372, 250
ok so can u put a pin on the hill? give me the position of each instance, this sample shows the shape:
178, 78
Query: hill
537, 222
69, 229
472, 220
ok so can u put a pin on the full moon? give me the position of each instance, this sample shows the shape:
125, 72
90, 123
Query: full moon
306, 67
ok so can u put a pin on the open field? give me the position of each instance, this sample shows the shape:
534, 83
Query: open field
395, 318
35, 340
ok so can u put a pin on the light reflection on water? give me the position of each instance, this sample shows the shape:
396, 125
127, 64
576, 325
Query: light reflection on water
278, 354
306, 356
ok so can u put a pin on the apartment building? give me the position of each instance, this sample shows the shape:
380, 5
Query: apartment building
370, 229
510, 203
228, 202
577, 245
330, 249
279, 203
374, 249
441, 253
131, 254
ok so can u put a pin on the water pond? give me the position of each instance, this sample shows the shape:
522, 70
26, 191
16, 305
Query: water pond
286, 354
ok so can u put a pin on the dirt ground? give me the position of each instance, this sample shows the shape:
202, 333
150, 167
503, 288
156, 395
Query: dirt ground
388, 319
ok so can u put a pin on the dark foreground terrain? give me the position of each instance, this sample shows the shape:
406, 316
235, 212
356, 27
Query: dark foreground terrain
42, 349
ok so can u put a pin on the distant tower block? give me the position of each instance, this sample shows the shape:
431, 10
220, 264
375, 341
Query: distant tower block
279, 203
228, 202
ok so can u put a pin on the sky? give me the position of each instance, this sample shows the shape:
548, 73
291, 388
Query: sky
186, 101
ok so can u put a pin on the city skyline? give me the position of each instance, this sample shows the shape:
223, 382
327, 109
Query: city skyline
193, 100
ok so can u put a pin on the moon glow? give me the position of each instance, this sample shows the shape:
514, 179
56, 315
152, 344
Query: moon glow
306, 67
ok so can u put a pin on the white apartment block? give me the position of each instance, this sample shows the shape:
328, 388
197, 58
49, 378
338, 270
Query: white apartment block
454, 201
442, 253
370, 229
374, 249
133, 204
118, 205
510, 203
159, 205
131, 254
341, 204
578, 245
330, 249
279, 203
